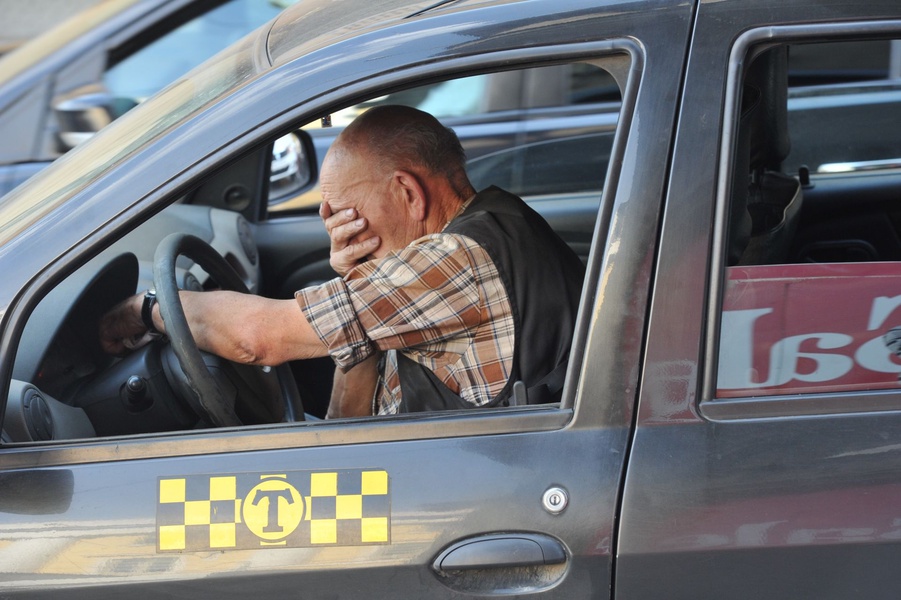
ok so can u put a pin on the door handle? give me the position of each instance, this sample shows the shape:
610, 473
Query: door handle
503, 550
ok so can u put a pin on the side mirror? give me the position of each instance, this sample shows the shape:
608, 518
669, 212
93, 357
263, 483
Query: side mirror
81, 116
294, 167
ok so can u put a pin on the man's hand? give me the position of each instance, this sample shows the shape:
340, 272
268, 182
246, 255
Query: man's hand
347, 231
121, 329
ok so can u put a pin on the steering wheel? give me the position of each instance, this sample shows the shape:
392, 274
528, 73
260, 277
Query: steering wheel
210, 400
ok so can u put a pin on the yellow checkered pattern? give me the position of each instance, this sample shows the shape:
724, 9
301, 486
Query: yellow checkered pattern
200, 512
373, 529
294, 509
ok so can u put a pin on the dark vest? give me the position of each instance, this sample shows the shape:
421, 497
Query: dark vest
543, 280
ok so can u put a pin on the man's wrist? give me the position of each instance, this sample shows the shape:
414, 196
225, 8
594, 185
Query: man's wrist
147, 304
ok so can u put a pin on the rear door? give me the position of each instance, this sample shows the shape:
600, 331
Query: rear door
766, 455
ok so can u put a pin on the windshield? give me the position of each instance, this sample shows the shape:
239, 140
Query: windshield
149, 69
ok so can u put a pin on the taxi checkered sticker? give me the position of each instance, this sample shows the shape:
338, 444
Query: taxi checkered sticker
291, 509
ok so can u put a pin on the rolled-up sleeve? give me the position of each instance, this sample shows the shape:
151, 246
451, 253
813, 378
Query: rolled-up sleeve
420, 297
329, 310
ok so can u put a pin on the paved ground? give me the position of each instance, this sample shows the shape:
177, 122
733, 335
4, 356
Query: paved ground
21, 20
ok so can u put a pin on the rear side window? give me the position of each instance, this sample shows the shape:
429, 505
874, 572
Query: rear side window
806, 328
811, 298
849, 93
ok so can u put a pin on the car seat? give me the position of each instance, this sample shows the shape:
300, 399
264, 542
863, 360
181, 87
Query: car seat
765, 202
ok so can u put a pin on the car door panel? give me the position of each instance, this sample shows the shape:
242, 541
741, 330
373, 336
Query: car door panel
429, 483
756, 497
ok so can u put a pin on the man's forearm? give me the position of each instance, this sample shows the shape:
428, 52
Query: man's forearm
249, 329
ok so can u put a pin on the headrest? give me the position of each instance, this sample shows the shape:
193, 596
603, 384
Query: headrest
764, 114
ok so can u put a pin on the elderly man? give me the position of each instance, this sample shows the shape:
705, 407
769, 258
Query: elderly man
447, 297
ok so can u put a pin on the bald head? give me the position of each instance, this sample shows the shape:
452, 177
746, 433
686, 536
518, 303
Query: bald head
401, 137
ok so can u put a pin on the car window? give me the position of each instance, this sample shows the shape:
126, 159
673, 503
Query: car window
806, 328
61, 375
855, 88
810, 300
162, 61
559, 85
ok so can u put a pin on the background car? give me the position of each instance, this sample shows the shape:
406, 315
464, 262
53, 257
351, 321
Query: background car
63, 86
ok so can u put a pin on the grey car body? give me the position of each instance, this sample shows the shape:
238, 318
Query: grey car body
646, 481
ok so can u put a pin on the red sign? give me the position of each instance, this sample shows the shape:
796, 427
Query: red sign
810, 328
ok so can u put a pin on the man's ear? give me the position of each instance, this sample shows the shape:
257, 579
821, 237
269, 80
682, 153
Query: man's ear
413, 194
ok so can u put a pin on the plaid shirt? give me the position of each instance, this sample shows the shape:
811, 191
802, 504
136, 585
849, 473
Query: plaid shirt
440, 300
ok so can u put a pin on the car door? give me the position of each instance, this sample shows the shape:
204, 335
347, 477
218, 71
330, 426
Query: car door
504, 501
765, 460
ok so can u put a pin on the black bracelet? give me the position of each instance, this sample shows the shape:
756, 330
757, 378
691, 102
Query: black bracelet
147, 311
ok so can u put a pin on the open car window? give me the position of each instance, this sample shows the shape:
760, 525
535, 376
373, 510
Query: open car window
555, 154
535, 132
850, 94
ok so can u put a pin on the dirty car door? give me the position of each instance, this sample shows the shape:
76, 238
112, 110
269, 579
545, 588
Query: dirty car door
765, 460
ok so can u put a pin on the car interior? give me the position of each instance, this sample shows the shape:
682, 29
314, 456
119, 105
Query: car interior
765, 202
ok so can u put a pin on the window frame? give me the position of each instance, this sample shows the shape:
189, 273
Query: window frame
774, 406
298, 435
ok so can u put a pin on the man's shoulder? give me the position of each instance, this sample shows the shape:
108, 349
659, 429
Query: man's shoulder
495, 198
494, 211
434, 249
511, 231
